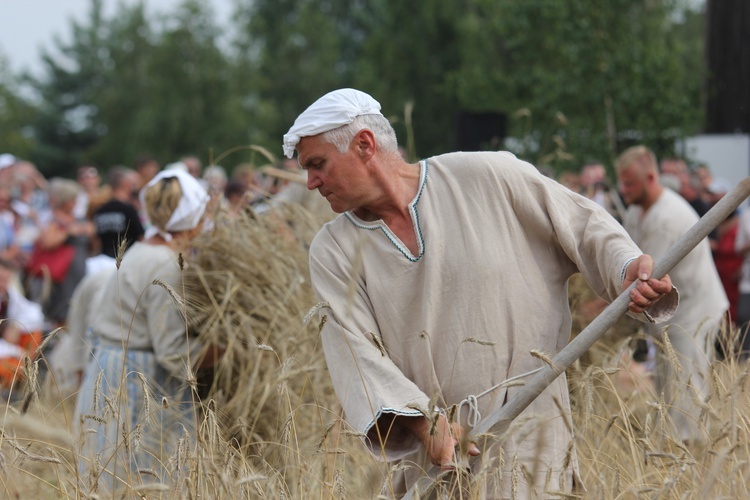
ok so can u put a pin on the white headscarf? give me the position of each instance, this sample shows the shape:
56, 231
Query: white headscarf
189, 210
178, 165
6, 160
331, 111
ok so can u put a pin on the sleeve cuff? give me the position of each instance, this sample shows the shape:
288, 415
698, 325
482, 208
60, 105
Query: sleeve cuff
625, 268
663, 310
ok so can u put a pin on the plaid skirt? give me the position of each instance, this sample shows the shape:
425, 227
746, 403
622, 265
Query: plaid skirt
135, 432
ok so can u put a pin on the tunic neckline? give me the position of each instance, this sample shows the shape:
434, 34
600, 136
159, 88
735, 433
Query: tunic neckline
383, 227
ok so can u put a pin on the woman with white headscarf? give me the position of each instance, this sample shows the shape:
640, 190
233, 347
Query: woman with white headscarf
135, 404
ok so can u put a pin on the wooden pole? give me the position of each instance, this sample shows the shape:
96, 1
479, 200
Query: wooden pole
499, 421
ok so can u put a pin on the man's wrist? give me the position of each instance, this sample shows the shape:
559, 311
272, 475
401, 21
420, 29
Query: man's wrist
417, 425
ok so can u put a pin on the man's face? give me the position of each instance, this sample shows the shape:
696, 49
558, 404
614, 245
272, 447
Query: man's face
148, 170
5, 276
675, 167
632, 183
340, 177
88, 177
193, 167
592, 174
704, 176
4, 199
687, 190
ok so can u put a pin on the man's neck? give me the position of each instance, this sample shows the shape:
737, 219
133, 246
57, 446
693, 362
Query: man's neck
123, 196
398, 187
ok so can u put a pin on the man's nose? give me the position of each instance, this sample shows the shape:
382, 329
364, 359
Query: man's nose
313, 182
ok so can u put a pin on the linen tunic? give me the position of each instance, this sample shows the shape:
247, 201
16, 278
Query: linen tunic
72, 353
703, 303
497, 244
157, 323
138, 428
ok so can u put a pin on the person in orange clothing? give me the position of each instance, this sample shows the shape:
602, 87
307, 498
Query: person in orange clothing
21, 324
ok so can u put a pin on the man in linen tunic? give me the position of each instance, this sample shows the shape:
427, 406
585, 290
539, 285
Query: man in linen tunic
656, 218
412, 327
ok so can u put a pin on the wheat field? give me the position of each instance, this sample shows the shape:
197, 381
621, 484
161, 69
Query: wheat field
271, 427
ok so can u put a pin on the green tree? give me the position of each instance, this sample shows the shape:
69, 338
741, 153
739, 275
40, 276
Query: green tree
174, 91
290, 53
581, 79
400, 52
66, 124
578, 80
126, 87
16, 115
409, 53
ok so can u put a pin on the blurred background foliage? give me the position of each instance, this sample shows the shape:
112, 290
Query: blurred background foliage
574, 80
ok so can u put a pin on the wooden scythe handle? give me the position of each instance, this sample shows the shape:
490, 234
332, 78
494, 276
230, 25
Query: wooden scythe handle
499, 421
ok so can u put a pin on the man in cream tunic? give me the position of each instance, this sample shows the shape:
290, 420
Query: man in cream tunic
439, 278
655, 219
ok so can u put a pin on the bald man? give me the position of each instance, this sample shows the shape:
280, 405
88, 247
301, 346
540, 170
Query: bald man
656, 217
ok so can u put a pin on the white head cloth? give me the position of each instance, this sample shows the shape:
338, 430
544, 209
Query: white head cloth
6, 160
189, 210
333, 110
178, 165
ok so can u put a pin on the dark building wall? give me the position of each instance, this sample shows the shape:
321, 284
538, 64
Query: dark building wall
479, 131
728, 62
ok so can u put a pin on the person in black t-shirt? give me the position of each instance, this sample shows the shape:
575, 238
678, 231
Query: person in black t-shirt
118, 219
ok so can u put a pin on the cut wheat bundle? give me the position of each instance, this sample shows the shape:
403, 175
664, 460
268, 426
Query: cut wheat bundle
247, 289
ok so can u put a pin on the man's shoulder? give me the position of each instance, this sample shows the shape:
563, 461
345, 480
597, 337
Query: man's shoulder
330, 231
334, 244
633, 214
671, 204
476, 158
114, 205
503, 165
671, 215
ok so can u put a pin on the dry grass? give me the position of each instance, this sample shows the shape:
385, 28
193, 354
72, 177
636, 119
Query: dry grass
272, 427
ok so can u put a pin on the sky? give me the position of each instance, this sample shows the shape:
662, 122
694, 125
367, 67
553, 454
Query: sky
29, 25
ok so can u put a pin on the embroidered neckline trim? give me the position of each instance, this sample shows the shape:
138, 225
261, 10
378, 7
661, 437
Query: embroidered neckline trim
379, 225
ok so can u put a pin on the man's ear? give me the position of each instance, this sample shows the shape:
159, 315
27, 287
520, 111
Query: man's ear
365, 144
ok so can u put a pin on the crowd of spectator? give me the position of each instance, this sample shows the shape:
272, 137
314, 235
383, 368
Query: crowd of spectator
55, 232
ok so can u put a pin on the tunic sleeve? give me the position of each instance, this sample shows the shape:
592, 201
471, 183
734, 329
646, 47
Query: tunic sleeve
367, 382
26, 314
590, 237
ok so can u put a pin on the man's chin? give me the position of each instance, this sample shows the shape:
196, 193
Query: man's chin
336, 204
336, 207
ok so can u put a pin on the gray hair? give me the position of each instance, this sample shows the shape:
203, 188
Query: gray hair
381, 128
215, 173
62, 191
118, 175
